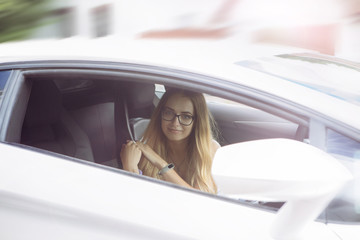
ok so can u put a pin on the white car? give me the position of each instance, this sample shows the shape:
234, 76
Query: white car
289, 126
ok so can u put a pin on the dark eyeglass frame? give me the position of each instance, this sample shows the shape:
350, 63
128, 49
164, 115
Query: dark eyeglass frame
178, 117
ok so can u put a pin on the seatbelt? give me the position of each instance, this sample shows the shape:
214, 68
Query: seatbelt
127, 119
120, 120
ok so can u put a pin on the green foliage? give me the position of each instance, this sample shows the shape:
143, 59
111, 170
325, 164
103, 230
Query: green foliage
19, 18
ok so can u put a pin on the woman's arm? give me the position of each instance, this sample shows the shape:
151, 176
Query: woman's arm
173, 177
160, 163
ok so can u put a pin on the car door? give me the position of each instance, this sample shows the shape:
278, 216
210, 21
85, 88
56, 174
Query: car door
50, 197
45, 196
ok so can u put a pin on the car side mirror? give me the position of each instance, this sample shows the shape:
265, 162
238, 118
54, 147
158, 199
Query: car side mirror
281, 170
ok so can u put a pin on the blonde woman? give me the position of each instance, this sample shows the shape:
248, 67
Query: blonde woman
178, 145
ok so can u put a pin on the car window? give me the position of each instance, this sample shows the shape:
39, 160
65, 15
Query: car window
4, 75
238, 122
346, 206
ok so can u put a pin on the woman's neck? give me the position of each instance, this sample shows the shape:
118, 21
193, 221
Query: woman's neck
178, 147
177, 154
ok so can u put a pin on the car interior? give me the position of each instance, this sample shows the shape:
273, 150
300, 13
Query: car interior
89, 117
77, 118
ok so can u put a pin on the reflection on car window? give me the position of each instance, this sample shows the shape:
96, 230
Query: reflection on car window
4, 75
346, 206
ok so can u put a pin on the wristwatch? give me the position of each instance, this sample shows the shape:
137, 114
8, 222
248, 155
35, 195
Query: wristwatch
166, 168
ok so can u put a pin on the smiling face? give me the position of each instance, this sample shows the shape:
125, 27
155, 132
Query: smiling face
173, 130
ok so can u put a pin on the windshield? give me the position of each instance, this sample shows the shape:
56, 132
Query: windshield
338, 79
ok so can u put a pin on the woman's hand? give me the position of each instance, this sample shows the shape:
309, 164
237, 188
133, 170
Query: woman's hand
157, 161
130, 156
151, 155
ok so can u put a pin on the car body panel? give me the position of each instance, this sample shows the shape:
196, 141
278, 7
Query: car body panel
74, 197
348, 232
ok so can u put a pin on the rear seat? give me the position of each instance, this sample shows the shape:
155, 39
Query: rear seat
47, 125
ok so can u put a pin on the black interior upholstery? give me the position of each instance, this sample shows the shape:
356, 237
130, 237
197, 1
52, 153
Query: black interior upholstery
140, 98
47, 125
85, 129
140, 105
98, 122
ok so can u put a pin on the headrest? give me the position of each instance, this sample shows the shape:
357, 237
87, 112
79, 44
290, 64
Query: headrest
44, 104
140, 95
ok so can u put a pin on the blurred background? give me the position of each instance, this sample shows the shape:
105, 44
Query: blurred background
327, 26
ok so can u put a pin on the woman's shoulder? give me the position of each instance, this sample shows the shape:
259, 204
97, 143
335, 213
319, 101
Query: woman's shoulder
214, 146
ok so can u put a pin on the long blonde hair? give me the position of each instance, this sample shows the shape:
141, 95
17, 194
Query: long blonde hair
199, 157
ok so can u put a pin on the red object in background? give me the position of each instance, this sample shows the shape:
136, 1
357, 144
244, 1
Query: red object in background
321, 38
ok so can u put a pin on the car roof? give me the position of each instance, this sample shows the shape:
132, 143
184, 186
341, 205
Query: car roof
168, 52
213, 58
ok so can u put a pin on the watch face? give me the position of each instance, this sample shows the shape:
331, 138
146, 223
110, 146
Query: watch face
166, 168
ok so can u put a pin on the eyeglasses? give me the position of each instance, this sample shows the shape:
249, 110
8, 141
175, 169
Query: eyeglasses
184, 119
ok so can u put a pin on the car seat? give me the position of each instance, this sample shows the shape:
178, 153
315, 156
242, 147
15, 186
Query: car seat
140, 104
48, 125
